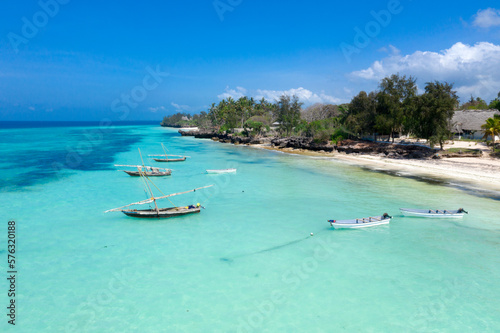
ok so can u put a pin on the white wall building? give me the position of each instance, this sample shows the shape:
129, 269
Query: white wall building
467, 123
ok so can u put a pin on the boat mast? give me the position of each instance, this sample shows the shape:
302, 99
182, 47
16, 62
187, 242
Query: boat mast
152, 195
163, 147
142, 159
153, 198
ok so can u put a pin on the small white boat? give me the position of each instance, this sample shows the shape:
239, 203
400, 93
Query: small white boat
361, 223
446, 213
221, 170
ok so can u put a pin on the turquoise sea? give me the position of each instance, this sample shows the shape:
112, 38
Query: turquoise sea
248, 262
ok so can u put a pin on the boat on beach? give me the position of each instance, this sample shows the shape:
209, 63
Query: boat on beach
221, 170
445, 213
361, 223
146, 170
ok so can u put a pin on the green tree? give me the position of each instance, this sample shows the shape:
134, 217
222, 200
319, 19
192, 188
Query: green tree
491, 128
394, 102
255, 126
287, 113
176, 119
264, 108
432, 112
202, 120
495, 104
359, 116
248, 108
474, 104
216, 114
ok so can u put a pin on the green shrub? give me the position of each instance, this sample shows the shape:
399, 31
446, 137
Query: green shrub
339, 134
322, 137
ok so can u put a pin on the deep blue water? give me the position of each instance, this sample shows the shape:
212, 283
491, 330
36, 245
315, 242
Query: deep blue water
38, 152
42, 124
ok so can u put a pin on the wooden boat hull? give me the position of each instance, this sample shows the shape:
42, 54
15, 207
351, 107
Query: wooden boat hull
169, 159
163, 212
218, 171
432, 213
149, 174
359, 223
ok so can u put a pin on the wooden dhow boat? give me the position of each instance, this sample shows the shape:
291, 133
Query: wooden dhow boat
167, 158
437, 213
361, 223
157, 212
146, 170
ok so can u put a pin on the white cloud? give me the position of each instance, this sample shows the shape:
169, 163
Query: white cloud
234, 94
473, 69
306, 96
32, 108
180, 107
486, 18
156, 109
390, 50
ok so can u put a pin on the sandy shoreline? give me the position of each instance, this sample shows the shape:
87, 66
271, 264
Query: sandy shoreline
478, 173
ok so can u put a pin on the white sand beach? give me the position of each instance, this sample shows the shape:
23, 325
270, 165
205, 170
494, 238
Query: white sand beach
482, 173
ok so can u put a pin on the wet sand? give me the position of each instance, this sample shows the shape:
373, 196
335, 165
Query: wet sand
481, 173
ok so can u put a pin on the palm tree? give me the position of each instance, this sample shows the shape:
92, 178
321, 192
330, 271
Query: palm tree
491, 128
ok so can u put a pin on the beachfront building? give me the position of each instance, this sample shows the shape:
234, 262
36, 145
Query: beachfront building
467, 123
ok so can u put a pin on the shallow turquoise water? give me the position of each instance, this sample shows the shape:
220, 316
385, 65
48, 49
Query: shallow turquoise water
247, 263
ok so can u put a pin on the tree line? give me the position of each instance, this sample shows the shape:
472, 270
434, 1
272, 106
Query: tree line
394, 109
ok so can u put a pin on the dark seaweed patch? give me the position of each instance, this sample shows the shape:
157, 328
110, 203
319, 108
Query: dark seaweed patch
78, 149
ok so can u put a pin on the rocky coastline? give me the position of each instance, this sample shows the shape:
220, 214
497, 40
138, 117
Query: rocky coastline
353, 147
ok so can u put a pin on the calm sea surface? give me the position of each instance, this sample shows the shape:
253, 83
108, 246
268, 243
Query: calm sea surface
247, 263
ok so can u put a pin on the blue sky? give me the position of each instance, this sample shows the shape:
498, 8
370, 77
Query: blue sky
129, 60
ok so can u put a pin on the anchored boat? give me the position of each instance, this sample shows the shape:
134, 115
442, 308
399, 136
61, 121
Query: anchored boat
167, 158
361, 223
445, 213
157, 212
146, 170
221, 170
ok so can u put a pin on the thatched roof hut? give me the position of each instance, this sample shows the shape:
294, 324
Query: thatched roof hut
470, 120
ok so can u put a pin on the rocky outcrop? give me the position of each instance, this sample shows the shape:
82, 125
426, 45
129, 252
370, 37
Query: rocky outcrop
301, 143
385, 149
176, 126
347, 146
226, 138
199, 134
460, 153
